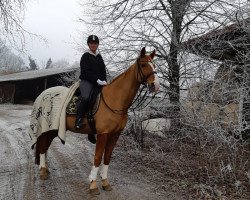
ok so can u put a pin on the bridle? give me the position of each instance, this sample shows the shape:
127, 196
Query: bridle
142, 79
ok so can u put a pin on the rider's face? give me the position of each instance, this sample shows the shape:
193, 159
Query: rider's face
93, 46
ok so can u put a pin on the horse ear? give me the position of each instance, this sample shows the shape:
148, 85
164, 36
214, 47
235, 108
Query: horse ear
143, 52
152, 55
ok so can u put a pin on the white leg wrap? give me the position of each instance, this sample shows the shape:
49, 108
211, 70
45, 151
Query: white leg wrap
93, 173
42, 161
104, 172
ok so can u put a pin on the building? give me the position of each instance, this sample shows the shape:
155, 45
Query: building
25, 86
231, 46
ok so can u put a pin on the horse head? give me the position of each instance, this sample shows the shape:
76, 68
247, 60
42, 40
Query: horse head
147, 73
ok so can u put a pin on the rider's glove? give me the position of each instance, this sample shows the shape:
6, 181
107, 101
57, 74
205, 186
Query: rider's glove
101, 82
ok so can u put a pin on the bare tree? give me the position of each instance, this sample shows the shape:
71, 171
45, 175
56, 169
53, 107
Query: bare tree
127, 25
61, 63
9, 62
11, 17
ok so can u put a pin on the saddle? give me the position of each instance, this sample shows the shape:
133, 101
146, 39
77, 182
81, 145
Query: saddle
93, 105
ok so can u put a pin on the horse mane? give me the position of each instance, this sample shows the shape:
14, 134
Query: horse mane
117, 77
122, 74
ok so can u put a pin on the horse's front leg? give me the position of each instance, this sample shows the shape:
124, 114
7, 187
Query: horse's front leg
100, 147
111, 142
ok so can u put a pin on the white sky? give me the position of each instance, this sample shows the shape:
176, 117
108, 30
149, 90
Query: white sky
56, 20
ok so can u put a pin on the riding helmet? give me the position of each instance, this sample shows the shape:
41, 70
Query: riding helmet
93, 38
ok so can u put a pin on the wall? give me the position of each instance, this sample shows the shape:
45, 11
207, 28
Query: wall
7, 91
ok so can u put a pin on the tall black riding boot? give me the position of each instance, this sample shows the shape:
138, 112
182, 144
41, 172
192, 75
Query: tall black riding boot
81, 110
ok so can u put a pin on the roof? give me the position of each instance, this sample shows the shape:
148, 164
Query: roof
222, 44
33, 74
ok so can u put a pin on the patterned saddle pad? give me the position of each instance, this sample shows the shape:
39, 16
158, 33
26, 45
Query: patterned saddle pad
72, 105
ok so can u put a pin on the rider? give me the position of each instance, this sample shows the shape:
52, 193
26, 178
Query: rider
92, 73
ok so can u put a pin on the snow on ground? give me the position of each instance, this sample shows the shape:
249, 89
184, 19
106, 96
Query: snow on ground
69, 165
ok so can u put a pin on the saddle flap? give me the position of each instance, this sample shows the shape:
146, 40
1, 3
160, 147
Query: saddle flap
93, 102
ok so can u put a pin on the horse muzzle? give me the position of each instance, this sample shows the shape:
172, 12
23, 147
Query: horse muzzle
153, 87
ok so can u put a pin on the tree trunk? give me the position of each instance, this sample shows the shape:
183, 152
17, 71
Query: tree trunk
246, 94
174, 75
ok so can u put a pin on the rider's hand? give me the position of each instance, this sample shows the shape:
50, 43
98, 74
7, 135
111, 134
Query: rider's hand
101, 82
104, 83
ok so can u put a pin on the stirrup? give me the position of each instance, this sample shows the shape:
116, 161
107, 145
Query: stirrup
79, 123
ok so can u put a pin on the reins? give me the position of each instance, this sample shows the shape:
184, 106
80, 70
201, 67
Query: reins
124, 111
119, 112
143, 81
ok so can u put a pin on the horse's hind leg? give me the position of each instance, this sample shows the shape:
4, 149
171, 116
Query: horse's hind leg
111, 142
43, 168
43, 143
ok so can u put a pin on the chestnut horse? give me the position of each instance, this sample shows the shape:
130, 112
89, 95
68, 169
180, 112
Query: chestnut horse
111, 117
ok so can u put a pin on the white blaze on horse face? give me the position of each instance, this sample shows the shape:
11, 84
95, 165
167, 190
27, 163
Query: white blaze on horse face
156, 78
104, 172
42, 161
93, 173
157, 83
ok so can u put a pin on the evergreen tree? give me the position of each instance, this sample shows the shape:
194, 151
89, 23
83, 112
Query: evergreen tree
48, 64
32, 64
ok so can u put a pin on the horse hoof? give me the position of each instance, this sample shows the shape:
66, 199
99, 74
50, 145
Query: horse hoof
107, 187
47, 170
94, 191
44, 173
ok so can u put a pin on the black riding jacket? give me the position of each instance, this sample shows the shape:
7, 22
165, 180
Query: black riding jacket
92, 68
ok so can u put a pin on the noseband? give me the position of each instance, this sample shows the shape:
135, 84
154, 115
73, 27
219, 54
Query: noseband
140, 73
